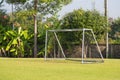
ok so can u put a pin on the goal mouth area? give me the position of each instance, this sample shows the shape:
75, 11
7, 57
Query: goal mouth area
92, 61
83, 52
85, 61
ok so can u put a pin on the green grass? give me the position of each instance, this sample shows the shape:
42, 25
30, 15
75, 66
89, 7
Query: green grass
38, 69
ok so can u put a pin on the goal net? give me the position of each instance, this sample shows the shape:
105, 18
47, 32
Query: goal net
72, 44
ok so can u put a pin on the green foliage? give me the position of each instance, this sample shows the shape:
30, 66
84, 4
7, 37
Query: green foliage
24, 19
58, 1
85, 19
114, 34
80, 19
16, 1
4, 18
43, 5
50, 23
17, 41
2, 40
24, 15
51, 6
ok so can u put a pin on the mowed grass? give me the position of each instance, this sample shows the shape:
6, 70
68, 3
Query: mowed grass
38, 69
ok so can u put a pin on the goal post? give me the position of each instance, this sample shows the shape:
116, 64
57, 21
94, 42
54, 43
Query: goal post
61, 47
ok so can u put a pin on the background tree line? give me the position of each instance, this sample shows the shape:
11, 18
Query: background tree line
17, 28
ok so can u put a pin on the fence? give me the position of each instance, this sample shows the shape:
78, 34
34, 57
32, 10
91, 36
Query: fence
114, 50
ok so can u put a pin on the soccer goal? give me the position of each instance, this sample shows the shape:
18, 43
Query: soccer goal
85, 53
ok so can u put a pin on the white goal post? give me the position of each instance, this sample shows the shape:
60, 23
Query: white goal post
71, 30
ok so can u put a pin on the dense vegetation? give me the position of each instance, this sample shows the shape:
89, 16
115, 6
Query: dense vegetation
114, 33
80, 19
17, 28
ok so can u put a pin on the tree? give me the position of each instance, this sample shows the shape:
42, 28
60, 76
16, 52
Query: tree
41, 7
114, 33
80, 19
85, 19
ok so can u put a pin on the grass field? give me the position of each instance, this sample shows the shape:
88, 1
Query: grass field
38, 69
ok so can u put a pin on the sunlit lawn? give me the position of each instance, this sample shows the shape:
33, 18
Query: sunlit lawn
38, 69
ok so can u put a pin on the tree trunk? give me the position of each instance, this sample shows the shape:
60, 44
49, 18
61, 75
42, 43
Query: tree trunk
35, 29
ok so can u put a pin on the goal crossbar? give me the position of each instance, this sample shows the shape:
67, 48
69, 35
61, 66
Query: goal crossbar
68, 30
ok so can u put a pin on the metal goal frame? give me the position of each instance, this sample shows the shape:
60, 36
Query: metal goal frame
71, 30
